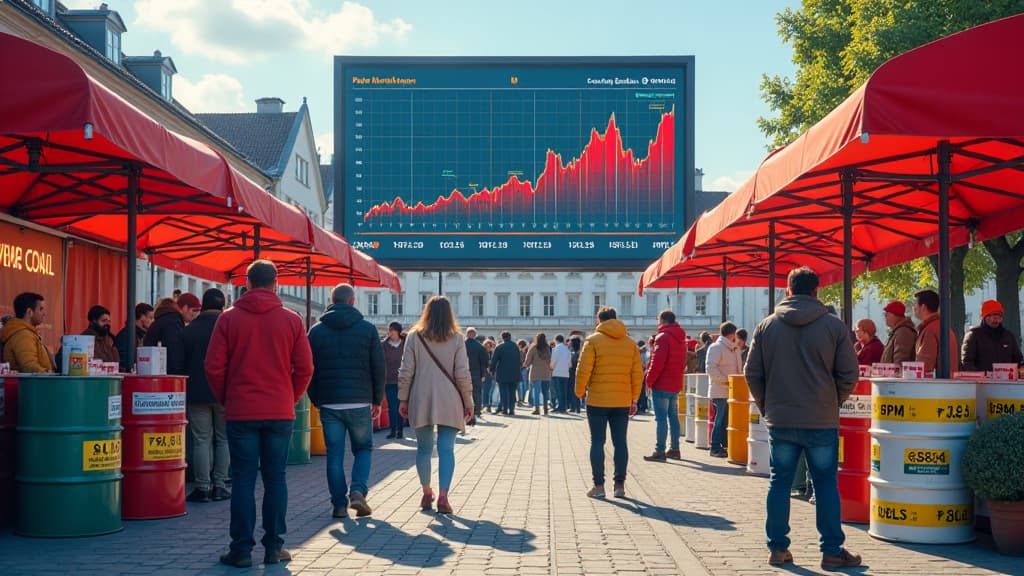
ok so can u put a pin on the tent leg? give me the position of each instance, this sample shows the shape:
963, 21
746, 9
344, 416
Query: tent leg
133, 233
309, 295
771, 267
725, 293
847, 188
256, 242
945, 153
440, 283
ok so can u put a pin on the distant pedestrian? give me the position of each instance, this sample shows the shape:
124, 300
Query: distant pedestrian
610, 375
990, 342
211, 457
348, 387
435, 391
926, 349
478, 361
665, 375
801, 368
538, 364
143, 320
868, 347
489, 383
525, 393
575, 347
258, 365
899, 346
724, 358
702, 352
170, 320
394, 347
742, 340
561, 359
507, 369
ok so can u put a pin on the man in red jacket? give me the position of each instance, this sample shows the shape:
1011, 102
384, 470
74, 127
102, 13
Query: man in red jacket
665, 377
258, 365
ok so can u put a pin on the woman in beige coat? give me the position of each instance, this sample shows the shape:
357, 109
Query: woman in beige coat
435, 393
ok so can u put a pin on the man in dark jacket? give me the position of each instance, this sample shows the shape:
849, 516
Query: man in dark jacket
348, 388
99, 329
800, 369
506, 365
478, 360
166, 330
143, 320
990, 342
665, 374
205, 416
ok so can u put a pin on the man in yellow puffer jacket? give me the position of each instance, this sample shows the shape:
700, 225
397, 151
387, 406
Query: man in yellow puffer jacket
23, 348
609, 373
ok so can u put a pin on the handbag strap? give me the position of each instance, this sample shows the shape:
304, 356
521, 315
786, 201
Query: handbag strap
444, 370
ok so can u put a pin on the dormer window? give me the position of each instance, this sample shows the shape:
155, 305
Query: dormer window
43, 5
113, 45
165, 85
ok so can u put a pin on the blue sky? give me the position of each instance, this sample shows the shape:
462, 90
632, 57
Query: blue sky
230, 52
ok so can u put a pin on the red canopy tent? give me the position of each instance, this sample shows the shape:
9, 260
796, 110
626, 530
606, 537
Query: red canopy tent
928, 153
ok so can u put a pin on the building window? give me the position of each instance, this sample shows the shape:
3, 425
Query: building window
598, 302
372, 304
397, 305
43, 5
700, 304
573, 301
549, 304
301, 170
478, 305
454, 299
424, 296
113, 46
503, 305
165, 85
626, 304
652, 304
525, 301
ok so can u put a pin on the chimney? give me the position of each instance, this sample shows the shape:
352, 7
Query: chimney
698, 181
271, 105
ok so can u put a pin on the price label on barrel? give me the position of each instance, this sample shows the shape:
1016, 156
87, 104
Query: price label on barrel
922, 515
925, 461
163, 446
755, 418
101, 455
996, 407
925, 410
702, 411
158, 403
856, 406
113, 407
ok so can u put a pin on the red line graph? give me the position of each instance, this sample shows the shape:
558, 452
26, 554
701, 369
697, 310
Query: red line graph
606, 183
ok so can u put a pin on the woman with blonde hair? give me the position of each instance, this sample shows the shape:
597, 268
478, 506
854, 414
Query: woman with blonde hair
435, 389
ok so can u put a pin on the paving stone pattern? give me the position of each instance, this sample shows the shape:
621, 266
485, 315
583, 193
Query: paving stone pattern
520, 509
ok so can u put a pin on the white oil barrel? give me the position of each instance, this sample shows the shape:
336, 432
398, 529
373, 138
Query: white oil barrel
700, 419
757, 443
690, 384
919, 429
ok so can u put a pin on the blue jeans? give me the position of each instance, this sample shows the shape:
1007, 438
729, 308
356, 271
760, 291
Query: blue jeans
718, 434
445, 454
560, 393
524, 386
575, 403
541, 393
358, 422
508, 397
259, 444
666, 415
600, 419
488, 395
821, 448
395, 422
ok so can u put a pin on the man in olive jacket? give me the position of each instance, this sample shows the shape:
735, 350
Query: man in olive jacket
800, 369
348, 387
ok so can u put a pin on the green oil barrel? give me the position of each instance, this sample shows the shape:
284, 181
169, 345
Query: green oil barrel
69, 455
298, 452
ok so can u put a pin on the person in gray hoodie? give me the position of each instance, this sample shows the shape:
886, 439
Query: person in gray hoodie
800, 369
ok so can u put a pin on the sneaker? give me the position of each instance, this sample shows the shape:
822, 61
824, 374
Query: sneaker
391, 435
673, 454
656, 457
536, 412
596, 492
845, 559
358, 503
275, 556
620, 490
236, 559
198, 495
399, 435
779, 557
427, 502
220, 493
718, 453
443, 507
340, 512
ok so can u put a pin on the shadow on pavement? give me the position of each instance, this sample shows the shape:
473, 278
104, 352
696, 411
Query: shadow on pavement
730, 469
485, 533
795, 569
382, 540
673, 516
980, 554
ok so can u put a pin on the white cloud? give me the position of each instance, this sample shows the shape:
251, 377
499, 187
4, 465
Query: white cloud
242, 31
730, 182
212, 93
325, 144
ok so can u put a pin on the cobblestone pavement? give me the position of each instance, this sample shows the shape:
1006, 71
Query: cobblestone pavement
520, 508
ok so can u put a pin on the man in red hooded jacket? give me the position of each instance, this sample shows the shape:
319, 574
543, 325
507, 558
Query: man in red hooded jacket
665, 377
258, 365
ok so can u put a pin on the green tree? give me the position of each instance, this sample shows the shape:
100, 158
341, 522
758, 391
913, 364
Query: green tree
837, 44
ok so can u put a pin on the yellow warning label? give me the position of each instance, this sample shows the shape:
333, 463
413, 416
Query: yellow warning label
951, 410
841, 449
101, 455
165, 446
755, 418
876, 456
996, 407
922, 515
702, 411
925, 461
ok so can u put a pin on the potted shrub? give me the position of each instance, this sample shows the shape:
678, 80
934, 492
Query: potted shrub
993, 466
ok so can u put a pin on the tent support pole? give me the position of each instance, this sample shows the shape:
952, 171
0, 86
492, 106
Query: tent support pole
440, 283
847, 189
309, 294
133, 232
256, 242
152, 281
945, 153
771, 266
725, 292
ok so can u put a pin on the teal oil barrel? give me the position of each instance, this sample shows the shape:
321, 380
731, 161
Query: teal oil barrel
298, 452
69, 455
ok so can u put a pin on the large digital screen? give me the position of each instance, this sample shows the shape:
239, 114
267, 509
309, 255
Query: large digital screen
501, 162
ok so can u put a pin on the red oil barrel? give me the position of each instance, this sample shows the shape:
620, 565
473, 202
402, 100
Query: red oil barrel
154, 447
855, 455
8, 441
